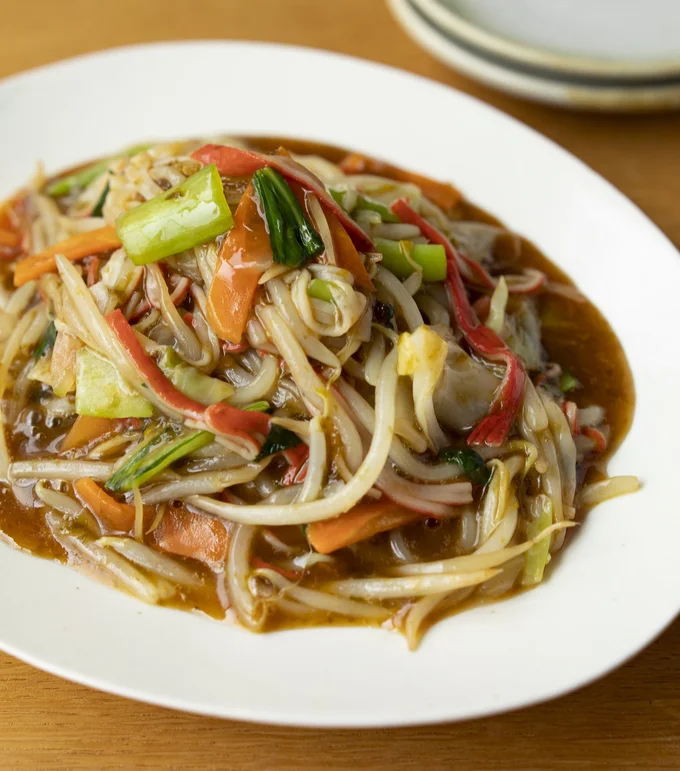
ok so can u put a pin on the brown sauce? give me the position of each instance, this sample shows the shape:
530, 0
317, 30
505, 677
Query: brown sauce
575, 334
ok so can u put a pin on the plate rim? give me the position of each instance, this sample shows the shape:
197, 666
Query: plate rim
294, 719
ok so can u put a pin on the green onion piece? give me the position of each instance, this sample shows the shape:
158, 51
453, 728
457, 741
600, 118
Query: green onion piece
366, 203
189, 214
83, 177
192, 382
538, 555
261, 406
320, 290
128, 469
292, 237
160, 459
278, 439
46, 342
398, 256
471, 462
99, 206
338, 196
568, 382
101, 392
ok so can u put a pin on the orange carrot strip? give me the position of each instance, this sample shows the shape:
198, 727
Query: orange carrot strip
111, 513
244, 255
190, 534
74, 248
442, 194
346, 255
9, 238
358, 524
6, 213
85, 430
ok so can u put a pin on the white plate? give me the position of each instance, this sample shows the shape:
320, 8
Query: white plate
537, 85
616, 586
597, 38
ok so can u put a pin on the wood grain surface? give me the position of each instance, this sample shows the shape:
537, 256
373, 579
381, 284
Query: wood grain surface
631, 719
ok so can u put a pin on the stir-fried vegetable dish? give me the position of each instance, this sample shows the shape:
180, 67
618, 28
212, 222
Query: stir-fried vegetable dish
289, 385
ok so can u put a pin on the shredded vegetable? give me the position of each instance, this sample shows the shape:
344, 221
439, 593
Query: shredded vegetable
350, 400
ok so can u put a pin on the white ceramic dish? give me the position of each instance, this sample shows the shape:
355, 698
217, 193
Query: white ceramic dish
537, 85
598, 38
618, 583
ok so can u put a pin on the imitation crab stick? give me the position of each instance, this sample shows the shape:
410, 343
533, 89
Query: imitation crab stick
494, 428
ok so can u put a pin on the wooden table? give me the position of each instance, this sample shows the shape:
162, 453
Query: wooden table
631, 719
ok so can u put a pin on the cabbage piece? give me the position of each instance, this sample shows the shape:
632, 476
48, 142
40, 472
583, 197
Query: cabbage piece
191, 382
523, 332
422, 355
466, 388
101, 392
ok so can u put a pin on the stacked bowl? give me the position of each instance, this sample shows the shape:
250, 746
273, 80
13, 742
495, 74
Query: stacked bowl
615, 55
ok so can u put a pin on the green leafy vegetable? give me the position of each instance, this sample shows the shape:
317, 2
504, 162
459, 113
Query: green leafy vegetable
83, 177
261, 406
471, 462
320, 290
128, 469
568, 382
101, 392
399, 256
278, 439
292, 236
159, 459
366, 203
46, 342
193, 212
99, 206
538, 555
191, 382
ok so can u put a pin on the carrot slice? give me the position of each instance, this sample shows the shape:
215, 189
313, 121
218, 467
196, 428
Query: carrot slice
190, 534
346, 255
74, 248
358, 524
8, 214
85, 430
442, 194
244, 255
111, 513
9, 239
